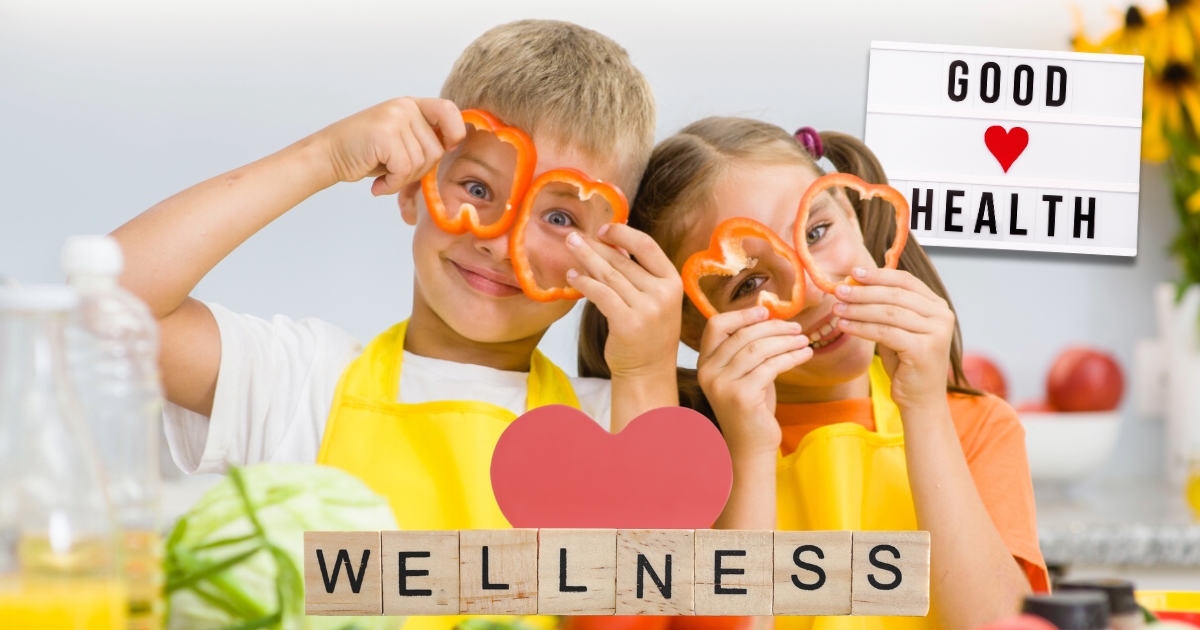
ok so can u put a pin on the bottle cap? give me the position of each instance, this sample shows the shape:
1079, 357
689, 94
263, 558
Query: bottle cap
38, 298
1119, 592
92, 255
1077, 610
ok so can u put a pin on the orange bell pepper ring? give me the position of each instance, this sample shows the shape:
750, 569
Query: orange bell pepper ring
467, 218
516, 241
725, 256
866, 191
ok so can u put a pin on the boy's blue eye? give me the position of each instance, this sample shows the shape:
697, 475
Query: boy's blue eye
558, 218
477, 190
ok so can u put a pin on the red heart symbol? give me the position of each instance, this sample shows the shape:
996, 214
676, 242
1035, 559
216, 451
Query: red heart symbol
1007, 146
555, 467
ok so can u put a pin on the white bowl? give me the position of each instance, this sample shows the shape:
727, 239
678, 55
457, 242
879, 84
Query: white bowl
1067, 446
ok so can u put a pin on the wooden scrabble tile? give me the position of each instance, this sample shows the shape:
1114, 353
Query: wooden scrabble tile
420, 573
577, 571
891, 574
733, 572
498, 571
812, 573
655, 571
341, 573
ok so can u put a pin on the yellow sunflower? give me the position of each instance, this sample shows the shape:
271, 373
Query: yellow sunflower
1171, 105
1140, 34
1180, 31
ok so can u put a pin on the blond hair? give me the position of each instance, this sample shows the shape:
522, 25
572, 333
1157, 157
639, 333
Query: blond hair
563, 83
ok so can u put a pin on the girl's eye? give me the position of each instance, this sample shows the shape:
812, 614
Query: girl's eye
748, 287
477, 190
816, 233
558, 218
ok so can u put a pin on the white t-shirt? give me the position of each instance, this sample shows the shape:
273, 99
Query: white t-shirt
276, 383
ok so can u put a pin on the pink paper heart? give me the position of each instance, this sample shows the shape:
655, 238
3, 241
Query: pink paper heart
555, 467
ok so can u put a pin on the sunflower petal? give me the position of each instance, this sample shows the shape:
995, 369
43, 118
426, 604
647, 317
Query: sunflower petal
1193, 202
1180, 35
1154, 145
1190, 97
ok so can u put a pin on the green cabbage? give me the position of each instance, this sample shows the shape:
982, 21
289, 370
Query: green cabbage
235, 560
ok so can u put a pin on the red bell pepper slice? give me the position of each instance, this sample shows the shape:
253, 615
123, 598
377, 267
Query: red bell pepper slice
725, 256
467, 218
516, 241
866, 191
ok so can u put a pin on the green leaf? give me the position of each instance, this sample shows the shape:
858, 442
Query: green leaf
212, 569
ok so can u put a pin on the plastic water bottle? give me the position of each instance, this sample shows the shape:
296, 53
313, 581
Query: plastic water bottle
58, 554
116, 359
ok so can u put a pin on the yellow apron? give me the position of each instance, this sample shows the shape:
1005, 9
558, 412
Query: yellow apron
842, 476
432, 461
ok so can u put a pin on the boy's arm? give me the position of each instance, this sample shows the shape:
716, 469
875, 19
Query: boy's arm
171, 246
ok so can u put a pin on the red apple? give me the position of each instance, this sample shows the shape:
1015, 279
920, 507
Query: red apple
1035, 406
983, 374
1084, 379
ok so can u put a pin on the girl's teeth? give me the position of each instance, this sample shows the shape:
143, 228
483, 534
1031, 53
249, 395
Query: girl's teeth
825, 331
823, 337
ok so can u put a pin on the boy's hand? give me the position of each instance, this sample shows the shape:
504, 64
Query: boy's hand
396, 142
741, 355
641, 298
913, 326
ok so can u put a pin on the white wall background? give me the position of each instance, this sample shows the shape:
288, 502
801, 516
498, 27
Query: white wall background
106, 108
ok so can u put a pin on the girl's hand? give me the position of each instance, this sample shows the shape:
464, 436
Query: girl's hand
396, 142
641, 299
741, 354
912, 325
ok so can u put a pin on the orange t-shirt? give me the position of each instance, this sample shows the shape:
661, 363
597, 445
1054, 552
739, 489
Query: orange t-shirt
993, 441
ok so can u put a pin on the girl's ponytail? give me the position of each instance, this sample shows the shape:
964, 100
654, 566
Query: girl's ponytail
849, 155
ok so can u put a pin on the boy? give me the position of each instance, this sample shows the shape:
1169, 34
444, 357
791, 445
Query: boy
244, 390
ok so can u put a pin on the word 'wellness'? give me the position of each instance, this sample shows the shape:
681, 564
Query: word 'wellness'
616, 572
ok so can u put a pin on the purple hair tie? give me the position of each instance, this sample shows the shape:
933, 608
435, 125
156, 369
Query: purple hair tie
811, 141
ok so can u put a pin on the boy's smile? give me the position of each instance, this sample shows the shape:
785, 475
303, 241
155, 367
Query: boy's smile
486, 281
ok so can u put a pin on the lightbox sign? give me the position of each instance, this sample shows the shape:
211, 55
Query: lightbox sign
1010, 149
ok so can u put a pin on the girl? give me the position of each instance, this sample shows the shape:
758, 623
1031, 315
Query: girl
843, 417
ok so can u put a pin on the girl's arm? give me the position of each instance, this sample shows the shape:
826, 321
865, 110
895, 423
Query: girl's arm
641, 301
975, 579
172, 246
741, 355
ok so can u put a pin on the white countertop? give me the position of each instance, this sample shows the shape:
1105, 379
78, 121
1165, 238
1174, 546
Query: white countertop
1136, 523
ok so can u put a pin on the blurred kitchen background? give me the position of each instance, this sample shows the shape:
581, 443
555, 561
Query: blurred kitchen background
107, 108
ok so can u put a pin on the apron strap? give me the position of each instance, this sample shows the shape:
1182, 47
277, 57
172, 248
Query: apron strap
375, 374
548, 385
887, 414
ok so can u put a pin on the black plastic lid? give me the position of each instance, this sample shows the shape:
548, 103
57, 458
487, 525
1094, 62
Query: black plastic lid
1077, 610
1119, 592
